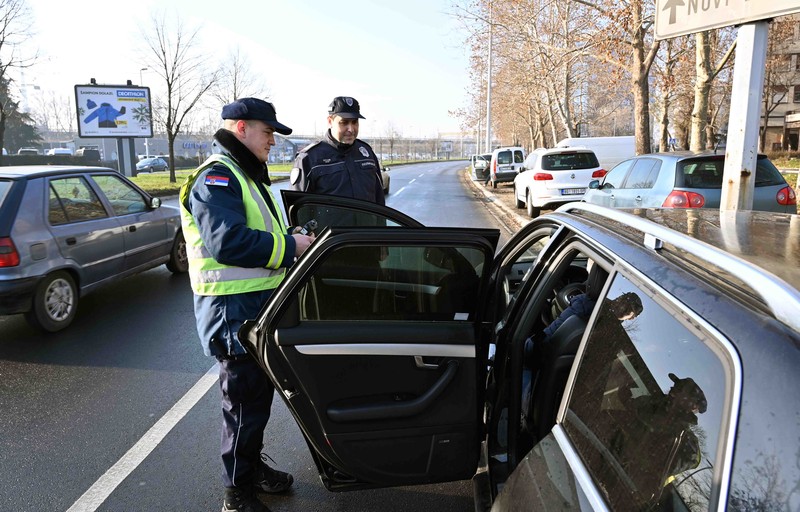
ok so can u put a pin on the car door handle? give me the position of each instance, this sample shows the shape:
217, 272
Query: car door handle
71, 241
131, 228
401, 409
420, 362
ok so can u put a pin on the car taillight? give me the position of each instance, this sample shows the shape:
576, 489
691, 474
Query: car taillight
683, 199
9, 257
599, 173
786, 196
542, 176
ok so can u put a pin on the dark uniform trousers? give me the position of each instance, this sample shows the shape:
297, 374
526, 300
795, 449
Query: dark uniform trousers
246, 402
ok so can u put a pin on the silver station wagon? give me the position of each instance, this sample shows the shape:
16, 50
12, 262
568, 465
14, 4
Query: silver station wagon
414, 355
66, 230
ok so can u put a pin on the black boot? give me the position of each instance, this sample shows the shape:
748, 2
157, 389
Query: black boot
239, 499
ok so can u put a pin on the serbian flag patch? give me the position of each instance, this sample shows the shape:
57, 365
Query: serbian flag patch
220, 181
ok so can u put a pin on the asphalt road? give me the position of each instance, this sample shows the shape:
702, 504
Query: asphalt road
120, 412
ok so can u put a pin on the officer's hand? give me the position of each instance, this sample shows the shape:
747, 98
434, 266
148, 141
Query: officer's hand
301, 243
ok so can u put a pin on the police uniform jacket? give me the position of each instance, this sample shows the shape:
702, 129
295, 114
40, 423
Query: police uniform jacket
218, 209
330, 167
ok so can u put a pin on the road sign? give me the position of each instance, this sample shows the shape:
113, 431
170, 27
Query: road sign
681, 17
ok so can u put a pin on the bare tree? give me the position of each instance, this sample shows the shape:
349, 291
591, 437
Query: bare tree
705, 73
781, 73
173, 54
237, 80
15, 29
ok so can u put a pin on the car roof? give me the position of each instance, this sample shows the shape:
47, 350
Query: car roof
36, 171
685, 155
732, 245
561, 150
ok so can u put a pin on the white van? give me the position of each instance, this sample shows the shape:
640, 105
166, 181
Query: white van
505, 164
609, 150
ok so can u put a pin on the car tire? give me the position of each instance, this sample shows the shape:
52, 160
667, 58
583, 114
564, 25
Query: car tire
55, 302
178, 260
150, 169
533, 211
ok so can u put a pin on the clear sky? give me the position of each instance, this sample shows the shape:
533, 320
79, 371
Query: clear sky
405, 61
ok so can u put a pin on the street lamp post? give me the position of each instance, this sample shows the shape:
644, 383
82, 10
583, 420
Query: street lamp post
140, 75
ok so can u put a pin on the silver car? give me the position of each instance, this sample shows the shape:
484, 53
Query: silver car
685, 180
66, 230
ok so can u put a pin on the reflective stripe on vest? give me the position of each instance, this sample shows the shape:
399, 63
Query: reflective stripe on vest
208, 276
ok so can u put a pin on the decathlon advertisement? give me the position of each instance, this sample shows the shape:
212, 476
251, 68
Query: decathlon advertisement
113, 111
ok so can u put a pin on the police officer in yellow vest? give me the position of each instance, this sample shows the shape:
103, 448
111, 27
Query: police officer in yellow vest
239, 246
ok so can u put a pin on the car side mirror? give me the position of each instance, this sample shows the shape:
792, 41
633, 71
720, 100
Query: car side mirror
594, 184
155, 202
387, 169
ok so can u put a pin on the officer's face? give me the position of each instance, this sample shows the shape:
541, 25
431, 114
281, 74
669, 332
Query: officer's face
258, 137
343, 130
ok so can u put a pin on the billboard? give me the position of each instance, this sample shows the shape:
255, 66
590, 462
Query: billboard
113, 111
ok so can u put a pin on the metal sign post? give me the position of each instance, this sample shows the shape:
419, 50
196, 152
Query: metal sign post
738, 179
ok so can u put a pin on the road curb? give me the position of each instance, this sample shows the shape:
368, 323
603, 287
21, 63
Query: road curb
492, 199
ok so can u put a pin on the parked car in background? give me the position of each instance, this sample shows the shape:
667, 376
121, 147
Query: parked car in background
676, 391
385, 179
505, 163
552, 177
59, 151
89, 154
27, 151
151, 165
685, 180
480, 166
64, 231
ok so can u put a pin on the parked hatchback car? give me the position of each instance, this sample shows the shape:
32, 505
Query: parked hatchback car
552, 177
402, 352
64, 231
505, 163
685, 180
480, 166
151, 165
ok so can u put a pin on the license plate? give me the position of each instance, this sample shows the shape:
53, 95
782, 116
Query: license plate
572, 191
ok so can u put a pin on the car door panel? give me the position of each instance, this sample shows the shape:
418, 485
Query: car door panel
387, 384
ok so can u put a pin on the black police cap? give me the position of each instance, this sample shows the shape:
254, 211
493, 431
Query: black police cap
256, 110
346, 107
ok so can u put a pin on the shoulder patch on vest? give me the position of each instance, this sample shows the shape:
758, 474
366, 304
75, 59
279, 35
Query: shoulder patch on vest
219, 181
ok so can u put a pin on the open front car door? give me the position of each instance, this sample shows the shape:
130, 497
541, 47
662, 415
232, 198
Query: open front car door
373, 340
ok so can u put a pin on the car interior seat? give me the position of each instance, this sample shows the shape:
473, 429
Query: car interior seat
551, 379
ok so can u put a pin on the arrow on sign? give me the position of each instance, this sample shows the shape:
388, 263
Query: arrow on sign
672, 4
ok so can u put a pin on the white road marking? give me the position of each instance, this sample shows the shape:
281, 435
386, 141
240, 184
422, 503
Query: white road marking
412, 181
105, 485
398, 192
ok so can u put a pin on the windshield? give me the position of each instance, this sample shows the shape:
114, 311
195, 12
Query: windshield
569, 161
707, 173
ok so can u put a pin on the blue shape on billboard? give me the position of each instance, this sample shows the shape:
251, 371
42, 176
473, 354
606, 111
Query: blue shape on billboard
113, 111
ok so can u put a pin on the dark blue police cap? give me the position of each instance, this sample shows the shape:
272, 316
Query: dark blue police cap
256, 110
346, 107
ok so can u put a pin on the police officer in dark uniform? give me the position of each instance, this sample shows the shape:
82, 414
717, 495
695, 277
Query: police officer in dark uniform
340, 164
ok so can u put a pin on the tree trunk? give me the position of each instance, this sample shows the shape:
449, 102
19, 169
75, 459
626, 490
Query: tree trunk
702, 88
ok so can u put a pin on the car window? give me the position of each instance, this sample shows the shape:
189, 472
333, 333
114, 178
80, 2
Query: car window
504, 157
5, 186
72, 200
569, 161
767, 174
124, 198
616, 176
700, 173
394, 283
518, 158
643, 174
646, 410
